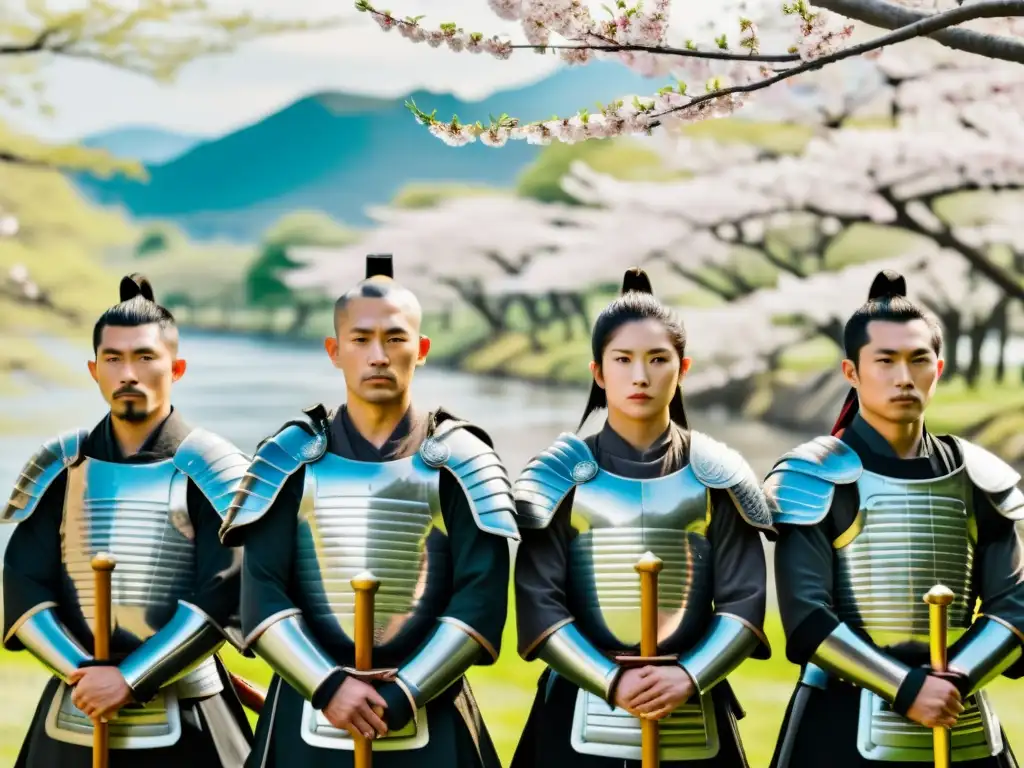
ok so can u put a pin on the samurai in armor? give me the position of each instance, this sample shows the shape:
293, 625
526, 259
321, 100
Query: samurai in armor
589, 509
422, 502
150, 490
870, 519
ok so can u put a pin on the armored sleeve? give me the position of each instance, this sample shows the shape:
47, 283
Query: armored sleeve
32, 571
477, 505
994, 643
271, 623
544, 494
200, 624
810, 511
740, 595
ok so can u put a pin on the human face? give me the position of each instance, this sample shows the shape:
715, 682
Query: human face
378, 348
640, 370
897, 372
135, 369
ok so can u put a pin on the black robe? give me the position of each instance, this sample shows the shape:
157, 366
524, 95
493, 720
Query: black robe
34, 573
476, 593
826, 723
740, 588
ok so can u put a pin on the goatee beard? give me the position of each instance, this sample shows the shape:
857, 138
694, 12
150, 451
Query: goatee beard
131, 415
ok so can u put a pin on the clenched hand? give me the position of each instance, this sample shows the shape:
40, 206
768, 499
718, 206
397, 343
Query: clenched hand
937, 704
660, 690
99, 691
358, 708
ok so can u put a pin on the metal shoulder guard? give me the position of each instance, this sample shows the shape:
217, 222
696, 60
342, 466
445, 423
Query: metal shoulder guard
277, 458
46, 464
800, 486
991, 474
549, 477
716, 465
214, 464
479, 472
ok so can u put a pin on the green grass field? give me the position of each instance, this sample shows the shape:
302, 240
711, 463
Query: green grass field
505, 692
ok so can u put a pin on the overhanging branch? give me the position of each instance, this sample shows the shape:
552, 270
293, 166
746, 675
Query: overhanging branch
887, 15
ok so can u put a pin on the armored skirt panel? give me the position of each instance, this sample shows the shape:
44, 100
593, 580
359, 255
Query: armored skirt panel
615, 521
384, 517
908, 536
139, 514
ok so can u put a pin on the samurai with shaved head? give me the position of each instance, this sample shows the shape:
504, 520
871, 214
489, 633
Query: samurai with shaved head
871, 519
420, 501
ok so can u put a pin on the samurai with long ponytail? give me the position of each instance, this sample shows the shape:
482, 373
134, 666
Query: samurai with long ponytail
588, 510
869, 519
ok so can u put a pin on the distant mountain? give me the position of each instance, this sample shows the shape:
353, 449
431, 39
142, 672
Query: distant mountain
340, 153
151, 146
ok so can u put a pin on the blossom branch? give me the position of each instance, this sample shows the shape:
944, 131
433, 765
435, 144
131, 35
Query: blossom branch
459, 40
985, 9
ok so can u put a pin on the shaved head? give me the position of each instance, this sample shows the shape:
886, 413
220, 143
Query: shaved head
385, 288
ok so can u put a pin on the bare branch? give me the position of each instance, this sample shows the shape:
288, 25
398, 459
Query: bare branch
889, 15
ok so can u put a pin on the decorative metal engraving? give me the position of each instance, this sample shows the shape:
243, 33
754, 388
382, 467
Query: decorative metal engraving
434, 452
584, 471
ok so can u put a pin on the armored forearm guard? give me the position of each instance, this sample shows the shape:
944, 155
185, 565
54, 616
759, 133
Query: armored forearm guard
290, 649
446, 657
847, 656
727, 643
572, 656
46, 638
188, 638
986, 653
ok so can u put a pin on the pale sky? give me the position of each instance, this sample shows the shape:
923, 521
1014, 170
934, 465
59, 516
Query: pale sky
215, 95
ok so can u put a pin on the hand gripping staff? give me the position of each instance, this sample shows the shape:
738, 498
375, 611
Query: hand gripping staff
365, 586
938, 599
649, 566
103, 565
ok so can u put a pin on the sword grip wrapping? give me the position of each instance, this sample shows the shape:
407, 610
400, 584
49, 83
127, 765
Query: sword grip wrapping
939, 599
365, 586
103, 565
648, 567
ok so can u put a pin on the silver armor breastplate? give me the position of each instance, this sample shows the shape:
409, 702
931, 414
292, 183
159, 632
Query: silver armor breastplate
616, 520
139, 513
909, 535
375, 516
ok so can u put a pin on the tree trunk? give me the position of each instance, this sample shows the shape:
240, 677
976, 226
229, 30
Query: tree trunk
1001, 323
833, 331
977, 336
303, 312
471, 292
534, 319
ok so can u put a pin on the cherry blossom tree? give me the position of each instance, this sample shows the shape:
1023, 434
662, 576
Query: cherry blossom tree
497, 254
717, 71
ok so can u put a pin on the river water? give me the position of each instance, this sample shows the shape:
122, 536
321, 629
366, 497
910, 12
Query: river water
244, 388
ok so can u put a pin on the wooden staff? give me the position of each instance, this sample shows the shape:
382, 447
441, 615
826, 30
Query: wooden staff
103, 565
648, 567
938, 599
365, 586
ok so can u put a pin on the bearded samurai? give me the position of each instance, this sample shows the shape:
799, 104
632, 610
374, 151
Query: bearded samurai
150, 490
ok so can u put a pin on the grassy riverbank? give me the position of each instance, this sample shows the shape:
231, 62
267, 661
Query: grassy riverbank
506, 690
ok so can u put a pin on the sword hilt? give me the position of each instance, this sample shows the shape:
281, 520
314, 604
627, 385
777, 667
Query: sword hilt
939, 599
365, 586
649, 566
103, 565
